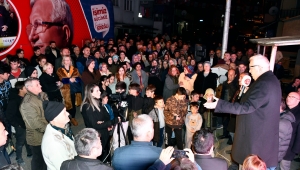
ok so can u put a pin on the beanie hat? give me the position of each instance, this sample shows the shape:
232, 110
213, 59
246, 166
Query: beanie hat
190, 69
115, 57
52, 109
88, 62
29, 70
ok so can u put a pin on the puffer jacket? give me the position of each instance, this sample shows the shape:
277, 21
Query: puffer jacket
174, 106
32, 112
285, 132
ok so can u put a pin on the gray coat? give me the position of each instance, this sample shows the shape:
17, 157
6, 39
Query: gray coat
136, 79
169, 88
285, 132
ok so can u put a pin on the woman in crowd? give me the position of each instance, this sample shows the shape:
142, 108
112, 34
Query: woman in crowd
164, 71
72, 86
42, 61
140, 77
199, 67
254, 162
121, 76
193, 64
90, 75
187, 78
24, 62
103, 69
111, 67
112, 83
205, 80
31, 72
171, 82
96, 116
103, 84
50, 83
154, 78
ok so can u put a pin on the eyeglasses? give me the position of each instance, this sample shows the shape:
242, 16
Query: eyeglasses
293, 97
40, 26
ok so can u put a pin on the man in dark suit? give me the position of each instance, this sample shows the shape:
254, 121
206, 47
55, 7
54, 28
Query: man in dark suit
257, 127
203, 147
212, 58
52, 53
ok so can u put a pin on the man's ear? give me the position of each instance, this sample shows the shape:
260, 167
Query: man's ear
67, 33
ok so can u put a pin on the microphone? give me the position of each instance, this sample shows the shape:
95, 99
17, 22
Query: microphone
245, 83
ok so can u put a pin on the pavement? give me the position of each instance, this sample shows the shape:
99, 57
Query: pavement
220, 147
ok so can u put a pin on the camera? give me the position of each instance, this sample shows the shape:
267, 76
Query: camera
179, 154
119, 100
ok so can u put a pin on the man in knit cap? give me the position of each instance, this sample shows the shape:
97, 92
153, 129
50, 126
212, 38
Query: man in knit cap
58, 136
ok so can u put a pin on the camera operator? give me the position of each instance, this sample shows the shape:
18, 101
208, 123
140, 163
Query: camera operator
119, 107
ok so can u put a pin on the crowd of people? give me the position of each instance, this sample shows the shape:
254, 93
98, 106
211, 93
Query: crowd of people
135, 96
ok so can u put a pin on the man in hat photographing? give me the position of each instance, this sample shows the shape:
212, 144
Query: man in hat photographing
58, 136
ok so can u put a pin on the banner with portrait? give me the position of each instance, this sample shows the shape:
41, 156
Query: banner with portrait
28, 23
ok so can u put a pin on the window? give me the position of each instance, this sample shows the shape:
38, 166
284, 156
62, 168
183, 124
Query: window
115, 2
128, 5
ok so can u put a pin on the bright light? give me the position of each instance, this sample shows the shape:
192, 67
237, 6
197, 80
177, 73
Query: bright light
140, 15
201, 20
187, 23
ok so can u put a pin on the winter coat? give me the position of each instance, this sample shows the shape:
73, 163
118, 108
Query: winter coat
170, 87
174, 106
189, 83
202, 83
49, 86
32, 113
64, 77
285, 132
257, 127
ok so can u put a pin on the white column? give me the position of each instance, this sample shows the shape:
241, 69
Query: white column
273, 56
226, 27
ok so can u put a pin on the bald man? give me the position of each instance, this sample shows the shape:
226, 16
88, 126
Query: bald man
257, 121
292, 102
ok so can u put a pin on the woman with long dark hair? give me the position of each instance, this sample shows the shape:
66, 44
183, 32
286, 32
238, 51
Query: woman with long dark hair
103, 84
90, 75
121, 76
96, 116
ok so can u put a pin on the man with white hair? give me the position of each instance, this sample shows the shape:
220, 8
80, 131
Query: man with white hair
257, 121
53, 23
141, 153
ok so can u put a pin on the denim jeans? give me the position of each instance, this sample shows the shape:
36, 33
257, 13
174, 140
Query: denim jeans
161, 138
20, 142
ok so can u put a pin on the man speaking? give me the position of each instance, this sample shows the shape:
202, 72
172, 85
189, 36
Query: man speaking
257, 124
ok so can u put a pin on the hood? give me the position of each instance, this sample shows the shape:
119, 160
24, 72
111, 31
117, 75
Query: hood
288, 116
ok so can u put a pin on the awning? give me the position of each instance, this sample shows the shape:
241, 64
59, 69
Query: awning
275, 42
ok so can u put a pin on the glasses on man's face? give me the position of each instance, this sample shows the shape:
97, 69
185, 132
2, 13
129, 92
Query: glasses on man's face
40, 26
293, 97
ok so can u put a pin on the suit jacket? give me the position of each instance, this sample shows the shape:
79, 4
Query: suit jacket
206, 162
257, 124
80, 163
215, 60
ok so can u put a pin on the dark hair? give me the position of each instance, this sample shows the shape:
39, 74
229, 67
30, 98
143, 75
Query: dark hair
52, 42
134, 86
41, 57
18, 51
194, 92
14, 59
156, 98
181, 91
4, 68
136, 64
19, 85
110, 75
194, 104
121, 85
35, 48
103, 78
282, 104
202, 141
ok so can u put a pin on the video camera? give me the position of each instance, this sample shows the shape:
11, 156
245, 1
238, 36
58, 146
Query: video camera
119, 99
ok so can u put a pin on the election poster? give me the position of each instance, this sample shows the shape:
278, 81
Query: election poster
28, 23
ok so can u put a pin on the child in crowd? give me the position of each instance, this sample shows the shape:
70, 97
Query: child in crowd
157, 114
193, 122
135, 105
149, 99
195, 96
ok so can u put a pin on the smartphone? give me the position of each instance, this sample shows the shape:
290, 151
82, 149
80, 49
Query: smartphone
179, 154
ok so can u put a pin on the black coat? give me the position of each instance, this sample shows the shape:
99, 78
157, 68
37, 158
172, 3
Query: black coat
49, 86
80, 163
215, 60
13, 113
206, 162
294, 146
202, 83
257, 124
